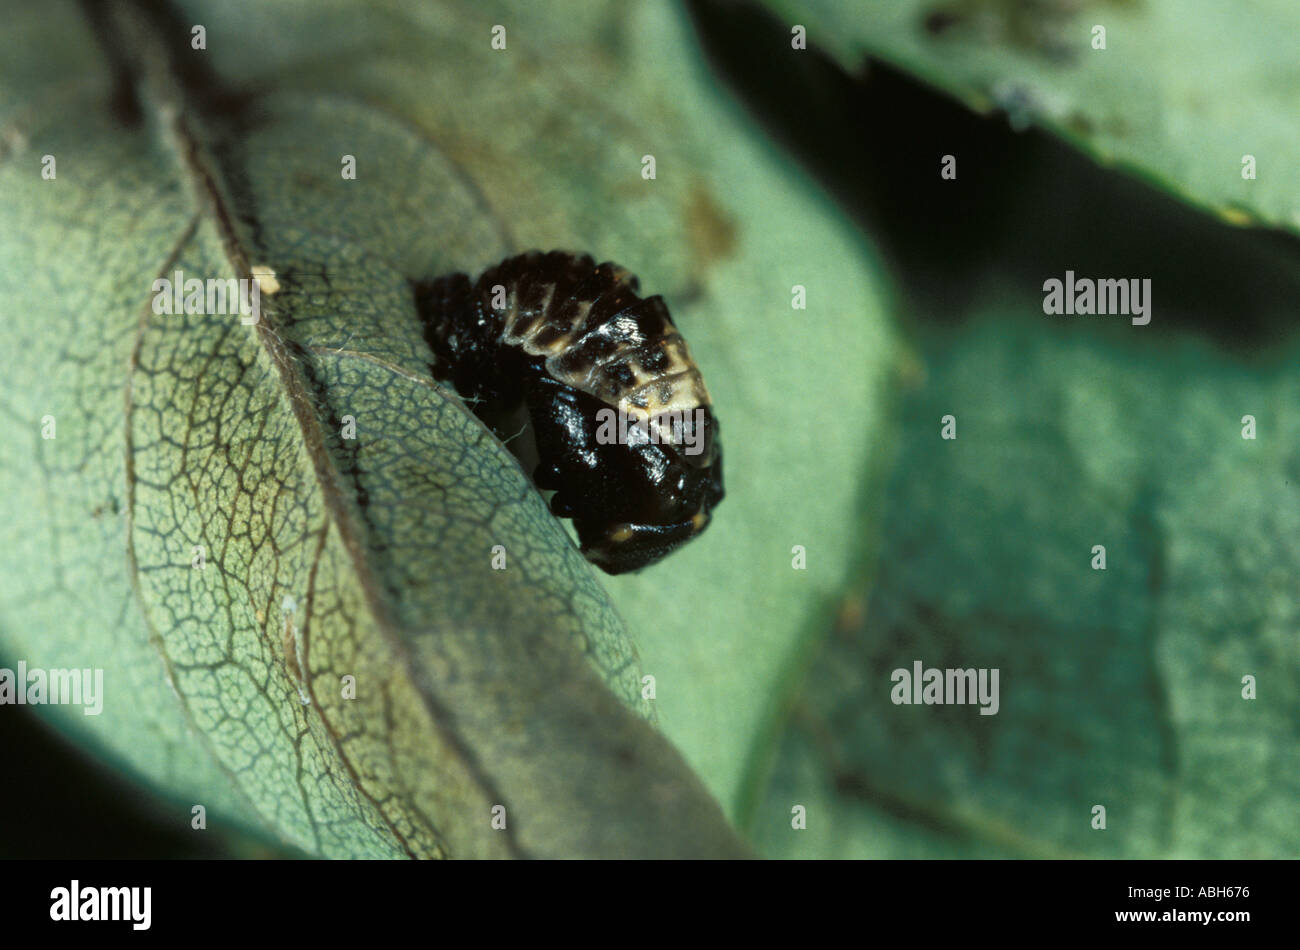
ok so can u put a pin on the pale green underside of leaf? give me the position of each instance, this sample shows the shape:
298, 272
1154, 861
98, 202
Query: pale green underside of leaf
370, 557
1183, 90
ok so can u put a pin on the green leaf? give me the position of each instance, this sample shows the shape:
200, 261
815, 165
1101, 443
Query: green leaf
1120, 687
726, 624
328, 557
1182, 92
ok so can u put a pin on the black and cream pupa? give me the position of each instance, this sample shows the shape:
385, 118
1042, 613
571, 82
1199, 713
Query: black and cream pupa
623, 425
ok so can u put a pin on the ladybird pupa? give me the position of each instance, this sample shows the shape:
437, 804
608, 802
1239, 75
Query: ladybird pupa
623, 424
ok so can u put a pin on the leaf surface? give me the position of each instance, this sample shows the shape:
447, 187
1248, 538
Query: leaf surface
328, 557
1122, 687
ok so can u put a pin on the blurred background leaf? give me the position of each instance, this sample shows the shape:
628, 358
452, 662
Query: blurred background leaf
1121, 687
1183, 90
